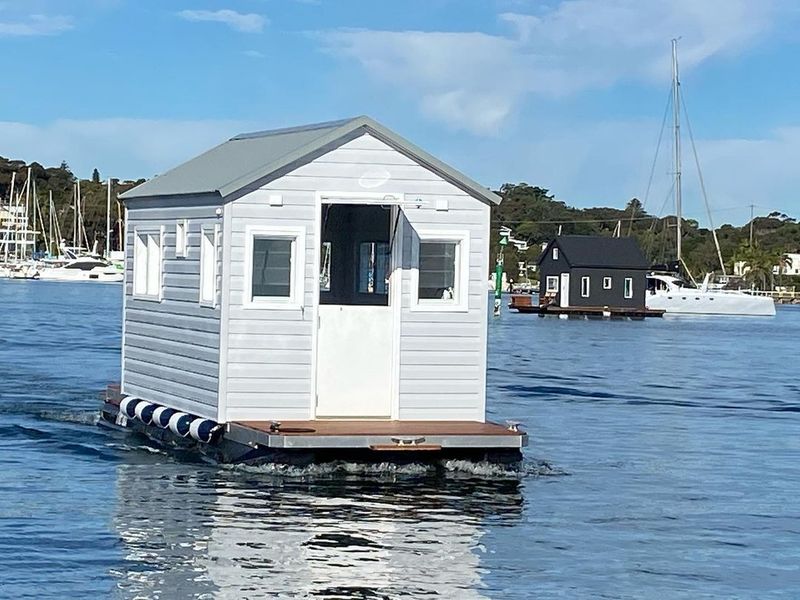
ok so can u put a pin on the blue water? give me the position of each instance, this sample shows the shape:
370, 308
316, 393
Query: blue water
664, 463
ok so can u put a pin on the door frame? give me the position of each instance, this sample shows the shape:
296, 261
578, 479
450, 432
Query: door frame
396, 200
563, 290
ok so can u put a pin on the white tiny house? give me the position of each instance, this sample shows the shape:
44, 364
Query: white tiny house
332, 271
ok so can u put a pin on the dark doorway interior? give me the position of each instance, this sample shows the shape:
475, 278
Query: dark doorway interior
355, 256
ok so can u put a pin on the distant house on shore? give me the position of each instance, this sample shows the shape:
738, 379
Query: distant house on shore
590, 270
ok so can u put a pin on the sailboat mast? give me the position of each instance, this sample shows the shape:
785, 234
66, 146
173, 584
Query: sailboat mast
676, 115
108, 220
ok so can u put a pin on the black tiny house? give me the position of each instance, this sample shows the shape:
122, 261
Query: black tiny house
594, 271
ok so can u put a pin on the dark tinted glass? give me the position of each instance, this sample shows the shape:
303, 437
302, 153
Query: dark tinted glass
272, 267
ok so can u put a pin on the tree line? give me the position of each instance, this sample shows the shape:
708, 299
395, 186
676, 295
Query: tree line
534, 215
61, 182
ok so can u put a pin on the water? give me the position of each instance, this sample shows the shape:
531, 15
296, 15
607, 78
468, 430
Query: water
663, 464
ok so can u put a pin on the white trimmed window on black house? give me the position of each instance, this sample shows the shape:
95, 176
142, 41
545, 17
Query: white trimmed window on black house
585, 287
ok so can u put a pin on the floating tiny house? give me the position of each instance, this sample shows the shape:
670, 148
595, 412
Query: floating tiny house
327, 272
590, 274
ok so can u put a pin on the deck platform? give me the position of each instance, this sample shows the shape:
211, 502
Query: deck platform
527, 304
377, 435
304, 442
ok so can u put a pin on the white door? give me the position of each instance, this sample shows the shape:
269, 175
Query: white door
354, 361
564, 290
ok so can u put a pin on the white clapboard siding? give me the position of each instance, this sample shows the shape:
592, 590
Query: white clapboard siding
171, 347
442, 354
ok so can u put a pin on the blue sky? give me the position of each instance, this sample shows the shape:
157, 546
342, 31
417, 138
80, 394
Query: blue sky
566, 95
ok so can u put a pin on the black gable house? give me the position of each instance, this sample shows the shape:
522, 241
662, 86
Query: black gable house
592, 271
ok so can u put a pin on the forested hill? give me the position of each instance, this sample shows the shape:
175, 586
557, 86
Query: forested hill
534, 215
60, 180
531, 212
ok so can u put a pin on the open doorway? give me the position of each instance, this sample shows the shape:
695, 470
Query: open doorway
354, 341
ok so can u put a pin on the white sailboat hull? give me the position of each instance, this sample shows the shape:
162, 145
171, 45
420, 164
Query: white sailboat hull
689, 301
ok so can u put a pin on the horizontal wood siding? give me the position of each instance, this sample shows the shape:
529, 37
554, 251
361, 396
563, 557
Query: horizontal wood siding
171, 348
442, 354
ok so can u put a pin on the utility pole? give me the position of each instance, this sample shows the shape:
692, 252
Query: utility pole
752, 206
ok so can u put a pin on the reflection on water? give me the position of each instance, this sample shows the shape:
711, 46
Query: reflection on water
201, 532
681, 439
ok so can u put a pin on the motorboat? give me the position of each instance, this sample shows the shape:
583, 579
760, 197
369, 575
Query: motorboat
83, 268
674, 295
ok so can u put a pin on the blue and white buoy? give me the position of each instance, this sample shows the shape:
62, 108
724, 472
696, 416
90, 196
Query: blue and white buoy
179, 423
203, 430
162, 415
128, 406
144, 412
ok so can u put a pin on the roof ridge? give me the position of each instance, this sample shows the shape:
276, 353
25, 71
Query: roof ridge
297, 129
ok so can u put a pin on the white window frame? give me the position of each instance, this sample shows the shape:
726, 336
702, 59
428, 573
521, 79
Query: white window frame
204, 231
628, 287
138, 234
461, 302
555, 253
586, 286
554, 280
297, 268
181, 238
607, 283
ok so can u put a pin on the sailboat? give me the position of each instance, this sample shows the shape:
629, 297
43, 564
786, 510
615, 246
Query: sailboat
670, 292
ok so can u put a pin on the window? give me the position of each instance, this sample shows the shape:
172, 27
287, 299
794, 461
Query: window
442, 274
373, 268
181, 239
274, 268
606, 283
555, 253
628, 287
585, 287
208, 266
552, 283
325, 267
147, 265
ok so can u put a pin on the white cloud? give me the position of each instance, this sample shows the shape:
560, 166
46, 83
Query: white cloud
244, 22
124, 148
474, 81
253, 53
34, 25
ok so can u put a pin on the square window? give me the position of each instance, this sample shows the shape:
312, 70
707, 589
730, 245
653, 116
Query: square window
606, 283
628, 287
437, 270
441, 278
147, 265
585, 287
552, 283
272, 267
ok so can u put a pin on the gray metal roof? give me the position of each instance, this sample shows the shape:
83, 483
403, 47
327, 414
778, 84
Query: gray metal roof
596, 251
251, 157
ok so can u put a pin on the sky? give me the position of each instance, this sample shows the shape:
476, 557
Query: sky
568, 95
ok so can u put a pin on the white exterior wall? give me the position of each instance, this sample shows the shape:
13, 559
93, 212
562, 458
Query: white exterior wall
170, 352
267, 355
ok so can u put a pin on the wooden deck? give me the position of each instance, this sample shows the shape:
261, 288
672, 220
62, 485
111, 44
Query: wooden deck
527, 304
379, 428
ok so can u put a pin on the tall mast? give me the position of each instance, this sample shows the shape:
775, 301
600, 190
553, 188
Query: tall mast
108, 220
10, 212
676, 115
27, 213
